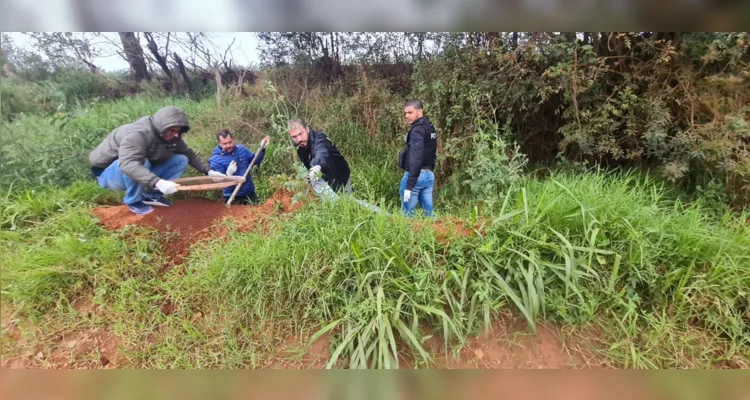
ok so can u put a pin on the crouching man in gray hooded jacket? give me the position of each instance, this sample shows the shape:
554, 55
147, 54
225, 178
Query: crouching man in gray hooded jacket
142, 157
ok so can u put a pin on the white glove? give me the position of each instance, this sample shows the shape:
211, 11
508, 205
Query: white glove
232, 168
213, 173
407, 195
314, 173
166, 187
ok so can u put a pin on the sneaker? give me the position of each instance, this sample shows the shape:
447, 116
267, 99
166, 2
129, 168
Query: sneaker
157, 201
140, 208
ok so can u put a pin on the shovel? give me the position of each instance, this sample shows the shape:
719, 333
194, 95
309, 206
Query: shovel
263, 144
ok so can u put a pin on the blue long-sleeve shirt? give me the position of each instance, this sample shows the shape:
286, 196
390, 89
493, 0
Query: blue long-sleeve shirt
220, 161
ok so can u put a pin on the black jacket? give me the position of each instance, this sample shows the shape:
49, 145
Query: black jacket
320, 151
419, 150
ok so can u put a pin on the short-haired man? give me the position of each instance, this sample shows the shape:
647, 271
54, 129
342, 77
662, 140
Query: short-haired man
418, 160
328, 170
143, 157
232, 159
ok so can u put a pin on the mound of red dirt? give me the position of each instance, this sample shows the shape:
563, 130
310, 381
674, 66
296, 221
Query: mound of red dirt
446, 229
193, 219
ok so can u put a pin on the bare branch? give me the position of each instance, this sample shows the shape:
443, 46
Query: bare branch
227, 50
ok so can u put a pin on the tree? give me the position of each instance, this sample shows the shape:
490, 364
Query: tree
6, 46
160, 59
134, 55
22, 62
66, 49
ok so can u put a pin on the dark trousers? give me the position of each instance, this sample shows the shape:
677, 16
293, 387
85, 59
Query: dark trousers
249, 198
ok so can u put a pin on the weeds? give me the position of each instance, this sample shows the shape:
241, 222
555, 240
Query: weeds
551, 253
667, 281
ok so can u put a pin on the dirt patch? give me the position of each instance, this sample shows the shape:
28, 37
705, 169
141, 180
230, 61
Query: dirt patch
288, 355
544, 350
169, 308
448, 229
84, 306
194, 219
12, 331
16, 363
87, 349
508, 345
84, 349
452, 227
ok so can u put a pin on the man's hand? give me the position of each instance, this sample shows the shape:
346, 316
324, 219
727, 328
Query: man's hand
314, 174
166, 187
407, 195
232, 168
267, 140
213, 173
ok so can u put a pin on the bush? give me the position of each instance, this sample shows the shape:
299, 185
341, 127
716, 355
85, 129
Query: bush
679, 105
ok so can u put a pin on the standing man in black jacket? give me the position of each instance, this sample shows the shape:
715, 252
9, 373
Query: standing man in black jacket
328, 170
418, 160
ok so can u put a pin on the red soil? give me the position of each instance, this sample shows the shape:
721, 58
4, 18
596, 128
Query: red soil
191, 220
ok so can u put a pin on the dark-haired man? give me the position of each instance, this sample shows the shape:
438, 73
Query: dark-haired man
328, 169
232, 158
418, 160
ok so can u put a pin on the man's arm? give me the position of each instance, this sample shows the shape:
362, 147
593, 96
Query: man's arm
319, 148
193, 159
132, 156
215, 164
261, 156
416, 153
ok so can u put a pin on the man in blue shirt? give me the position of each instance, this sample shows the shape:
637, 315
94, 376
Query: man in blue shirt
234, 159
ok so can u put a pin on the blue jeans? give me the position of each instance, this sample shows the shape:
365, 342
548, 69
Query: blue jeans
114, 179
421, 193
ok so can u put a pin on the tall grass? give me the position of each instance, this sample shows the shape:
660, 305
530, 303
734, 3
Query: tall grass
577, 248
38, 151
54, 250
366, 275
668, 281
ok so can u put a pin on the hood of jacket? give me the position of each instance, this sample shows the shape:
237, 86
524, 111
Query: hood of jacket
168, 117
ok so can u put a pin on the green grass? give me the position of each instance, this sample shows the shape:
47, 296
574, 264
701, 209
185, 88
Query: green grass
574, 248
666, 282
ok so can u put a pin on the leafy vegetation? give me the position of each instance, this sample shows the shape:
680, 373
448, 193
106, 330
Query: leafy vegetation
541, 145
677, 105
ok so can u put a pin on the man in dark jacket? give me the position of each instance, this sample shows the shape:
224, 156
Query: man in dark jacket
328, 170
142, 157
234, 159
418, 160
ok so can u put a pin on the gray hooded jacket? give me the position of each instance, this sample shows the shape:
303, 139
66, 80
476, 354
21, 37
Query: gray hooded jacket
141, 140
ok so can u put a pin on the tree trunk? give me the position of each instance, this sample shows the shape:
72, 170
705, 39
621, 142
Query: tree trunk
493, 39
219, 86
515, 40
94, 69
596, 43
183, 72
159, 59
134, 55
7, 71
